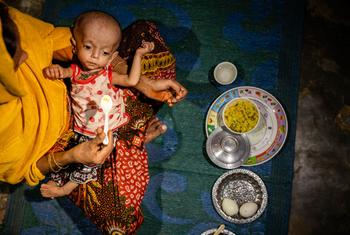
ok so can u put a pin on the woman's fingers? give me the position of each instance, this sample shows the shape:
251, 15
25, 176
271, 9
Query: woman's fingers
100, 135
180, 92
164, 90
100, 151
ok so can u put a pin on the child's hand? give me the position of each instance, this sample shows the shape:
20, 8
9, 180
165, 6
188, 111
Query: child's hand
56, 72
146, 47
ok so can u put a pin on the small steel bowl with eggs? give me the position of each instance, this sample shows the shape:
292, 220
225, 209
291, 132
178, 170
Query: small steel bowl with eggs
239, 196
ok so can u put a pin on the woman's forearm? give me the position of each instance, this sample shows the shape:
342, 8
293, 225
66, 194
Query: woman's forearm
143, 86
53, 162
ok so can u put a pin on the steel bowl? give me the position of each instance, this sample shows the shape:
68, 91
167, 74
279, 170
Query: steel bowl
242, 186
212, 231
225, 73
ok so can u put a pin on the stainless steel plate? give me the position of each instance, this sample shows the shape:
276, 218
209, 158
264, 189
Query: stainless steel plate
243, 186
226, 149
212, 231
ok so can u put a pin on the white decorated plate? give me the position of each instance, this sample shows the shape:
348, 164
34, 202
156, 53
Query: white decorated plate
269, 139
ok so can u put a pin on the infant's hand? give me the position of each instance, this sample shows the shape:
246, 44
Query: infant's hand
146, 47
55, 72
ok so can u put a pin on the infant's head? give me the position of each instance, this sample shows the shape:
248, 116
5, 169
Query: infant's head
96, 37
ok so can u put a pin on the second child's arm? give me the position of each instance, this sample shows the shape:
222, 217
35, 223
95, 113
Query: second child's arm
135, 72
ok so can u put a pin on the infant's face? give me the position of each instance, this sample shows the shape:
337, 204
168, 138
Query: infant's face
95, 46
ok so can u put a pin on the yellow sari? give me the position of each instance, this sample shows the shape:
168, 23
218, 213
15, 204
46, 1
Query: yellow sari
33, 109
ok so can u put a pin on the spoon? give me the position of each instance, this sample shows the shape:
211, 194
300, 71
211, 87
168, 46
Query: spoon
106, 105
220, 229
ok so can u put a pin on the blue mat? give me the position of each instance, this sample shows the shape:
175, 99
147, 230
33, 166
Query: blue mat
263, 39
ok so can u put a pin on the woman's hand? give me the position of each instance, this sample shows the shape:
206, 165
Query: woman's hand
93, 152
164, 90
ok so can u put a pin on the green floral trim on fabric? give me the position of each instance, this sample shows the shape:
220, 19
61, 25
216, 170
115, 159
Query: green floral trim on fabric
87, 75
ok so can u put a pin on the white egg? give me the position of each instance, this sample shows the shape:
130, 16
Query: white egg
248, 209
229, 206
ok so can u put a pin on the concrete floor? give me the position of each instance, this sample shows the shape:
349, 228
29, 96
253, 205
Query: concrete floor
320, 199
320, 203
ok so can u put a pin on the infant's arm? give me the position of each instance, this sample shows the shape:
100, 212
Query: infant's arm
135, 72
55, 71
120, 79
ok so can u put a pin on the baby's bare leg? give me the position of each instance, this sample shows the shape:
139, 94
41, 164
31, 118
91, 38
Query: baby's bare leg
52, 190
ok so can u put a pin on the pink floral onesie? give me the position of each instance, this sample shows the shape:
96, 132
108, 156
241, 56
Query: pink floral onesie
86, 94
87, 90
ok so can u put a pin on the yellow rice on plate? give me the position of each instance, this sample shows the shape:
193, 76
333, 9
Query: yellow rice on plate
241, 115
